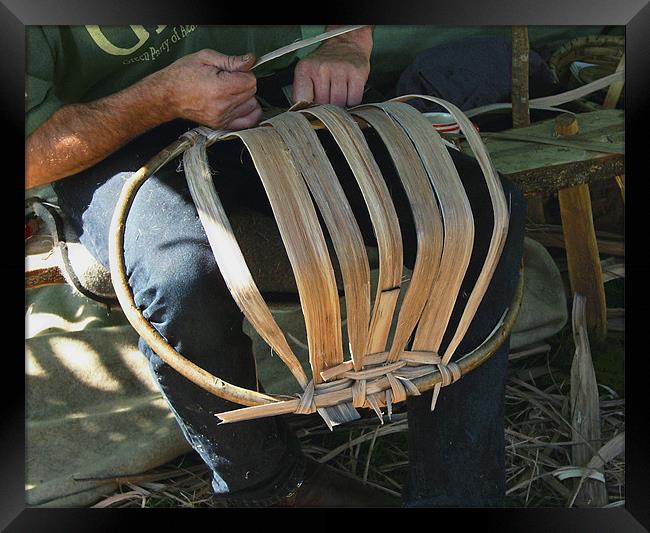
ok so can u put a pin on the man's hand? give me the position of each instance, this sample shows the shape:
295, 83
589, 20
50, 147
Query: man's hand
205, 87
336, 72
212, 89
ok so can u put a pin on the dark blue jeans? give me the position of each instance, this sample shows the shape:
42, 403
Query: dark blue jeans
456, 453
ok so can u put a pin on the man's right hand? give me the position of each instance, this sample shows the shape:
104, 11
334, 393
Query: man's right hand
206, 87
212, 89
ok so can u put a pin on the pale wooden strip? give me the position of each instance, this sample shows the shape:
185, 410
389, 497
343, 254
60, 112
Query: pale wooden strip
305, 244
615, 89
339, 414
585, 409
376, 358
369, 360
306, 405
426, 215
310, 158
359, 393
413, 372
374, 372
611, 449
418, 358
421, 358
382, 319
303, 43
356, 151
411, 390
339, 384
388, 399
230, 259
556, 99
620, 181
599, 147
336, 370
376, 401
579, 92
457, 219
397, 388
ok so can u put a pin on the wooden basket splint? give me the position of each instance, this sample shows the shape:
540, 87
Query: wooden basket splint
294, 168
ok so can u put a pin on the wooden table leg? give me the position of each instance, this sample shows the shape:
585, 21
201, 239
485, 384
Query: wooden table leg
585, 272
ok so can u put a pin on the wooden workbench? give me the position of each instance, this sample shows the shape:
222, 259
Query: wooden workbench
539, 168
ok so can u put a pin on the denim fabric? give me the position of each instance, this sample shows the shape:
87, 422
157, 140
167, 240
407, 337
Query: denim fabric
470, 73
456, 453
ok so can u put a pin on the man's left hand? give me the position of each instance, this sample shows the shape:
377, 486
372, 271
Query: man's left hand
335, 73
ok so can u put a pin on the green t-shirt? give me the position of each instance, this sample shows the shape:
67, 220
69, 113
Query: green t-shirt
68, 64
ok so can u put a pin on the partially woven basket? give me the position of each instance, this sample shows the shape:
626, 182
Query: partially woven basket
602, 52
383, 367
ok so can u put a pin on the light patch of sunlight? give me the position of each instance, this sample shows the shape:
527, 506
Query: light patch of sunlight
53, 401
37, 323
32, 366
232, 264
116, 407
68, 142
29, 486
84, 363
116, 437
90, 426
139, 367
73, 416
123, 409
145, 424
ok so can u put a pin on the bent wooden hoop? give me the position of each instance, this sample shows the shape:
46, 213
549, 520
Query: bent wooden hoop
294, 168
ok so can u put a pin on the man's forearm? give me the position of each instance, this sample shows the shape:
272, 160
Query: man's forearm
78, 136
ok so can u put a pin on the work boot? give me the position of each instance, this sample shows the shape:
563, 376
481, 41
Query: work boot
325, 486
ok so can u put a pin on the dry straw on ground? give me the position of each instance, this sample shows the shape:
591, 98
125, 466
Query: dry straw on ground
541, 434
539, 439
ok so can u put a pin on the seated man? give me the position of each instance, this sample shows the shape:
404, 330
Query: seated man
99, 106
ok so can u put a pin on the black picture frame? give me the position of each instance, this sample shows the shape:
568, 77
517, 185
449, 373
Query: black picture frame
633, 14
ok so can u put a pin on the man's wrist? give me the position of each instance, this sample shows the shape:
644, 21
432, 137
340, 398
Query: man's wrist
362, 38
156, 88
